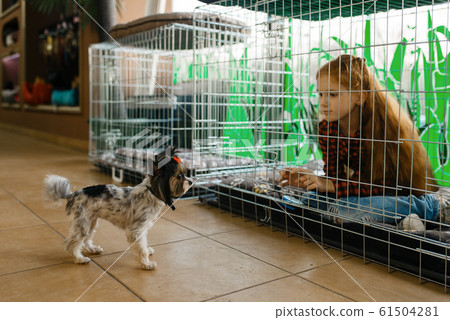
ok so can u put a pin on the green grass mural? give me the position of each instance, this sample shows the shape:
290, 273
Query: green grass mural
436, 131
240, 109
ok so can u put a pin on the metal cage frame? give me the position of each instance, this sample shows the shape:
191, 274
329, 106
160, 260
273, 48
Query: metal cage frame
273, 99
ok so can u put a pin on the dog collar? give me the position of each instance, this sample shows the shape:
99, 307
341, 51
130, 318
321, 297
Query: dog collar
151, 191
178, 160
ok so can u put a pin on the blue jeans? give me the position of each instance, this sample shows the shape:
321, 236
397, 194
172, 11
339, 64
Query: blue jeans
386, 209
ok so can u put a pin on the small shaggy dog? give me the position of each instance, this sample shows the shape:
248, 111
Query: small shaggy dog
134, 209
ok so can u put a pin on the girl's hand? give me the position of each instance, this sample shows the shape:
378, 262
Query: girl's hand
293, 177
316, 183
304, 178
289, 177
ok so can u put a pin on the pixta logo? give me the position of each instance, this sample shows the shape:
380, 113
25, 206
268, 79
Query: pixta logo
148, 140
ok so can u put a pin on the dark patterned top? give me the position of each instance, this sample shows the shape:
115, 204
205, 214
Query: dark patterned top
342, 156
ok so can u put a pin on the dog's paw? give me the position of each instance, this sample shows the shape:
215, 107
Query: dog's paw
94, 250
150, 265
82, 260
151, 251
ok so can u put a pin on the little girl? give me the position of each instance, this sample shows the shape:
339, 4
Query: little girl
376, 167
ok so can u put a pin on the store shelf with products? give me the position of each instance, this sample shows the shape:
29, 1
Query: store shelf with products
10, 33
10, 81
10, 54
53, 108
54, 42
8, 6
40, 59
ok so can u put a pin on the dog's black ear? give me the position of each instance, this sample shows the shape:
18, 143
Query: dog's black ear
154, 167
165, 192
160, 186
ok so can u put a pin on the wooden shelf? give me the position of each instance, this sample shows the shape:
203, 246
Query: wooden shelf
31, 25
53, 109
13, 16
8, 105
7, 11
12, 49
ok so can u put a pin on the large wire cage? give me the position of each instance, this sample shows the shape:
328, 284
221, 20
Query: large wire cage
141, 98
142, 93
257, 108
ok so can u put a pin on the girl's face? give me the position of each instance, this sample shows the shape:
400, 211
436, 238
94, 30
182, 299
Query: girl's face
335, 102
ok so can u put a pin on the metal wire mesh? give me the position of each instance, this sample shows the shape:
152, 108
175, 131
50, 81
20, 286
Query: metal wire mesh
257, 98
141, 94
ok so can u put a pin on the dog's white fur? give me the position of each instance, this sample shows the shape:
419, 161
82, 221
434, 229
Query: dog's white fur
134, 209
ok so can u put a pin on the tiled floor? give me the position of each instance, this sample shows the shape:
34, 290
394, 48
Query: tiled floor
202, 254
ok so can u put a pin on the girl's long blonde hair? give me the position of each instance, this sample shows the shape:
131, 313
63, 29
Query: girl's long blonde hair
392, 149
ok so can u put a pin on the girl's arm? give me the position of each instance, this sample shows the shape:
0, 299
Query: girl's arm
315, 183
304, 178
328, 145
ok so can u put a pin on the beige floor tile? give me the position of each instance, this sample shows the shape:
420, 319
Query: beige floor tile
289, 253
112, 239
191, 270
13, 214
373, 281
65, 282
30, 247
289, 289
52, 212
32, 192
48, 211
166, 231
204, 219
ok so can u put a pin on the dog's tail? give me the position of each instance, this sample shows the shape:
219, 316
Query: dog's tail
56, 188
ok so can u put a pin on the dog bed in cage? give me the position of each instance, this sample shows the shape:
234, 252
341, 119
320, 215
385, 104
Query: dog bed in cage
257, 197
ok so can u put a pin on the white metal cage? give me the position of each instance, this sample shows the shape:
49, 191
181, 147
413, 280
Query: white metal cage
257, 99
141, 94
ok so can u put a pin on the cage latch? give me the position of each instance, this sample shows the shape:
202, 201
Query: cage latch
114, 175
